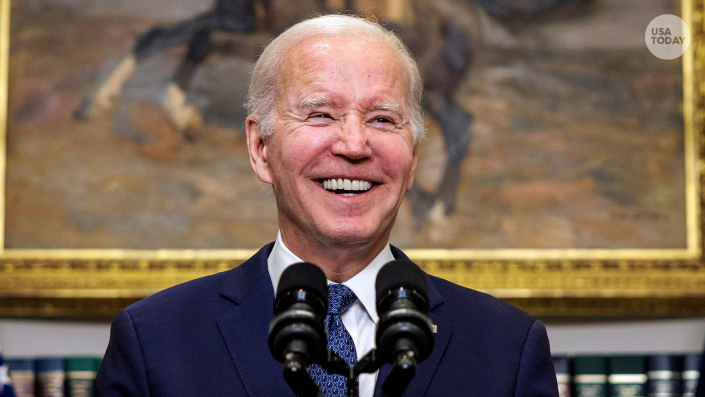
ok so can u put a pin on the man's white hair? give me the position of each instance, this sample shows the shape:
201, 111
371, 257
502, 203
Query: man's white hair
262, 97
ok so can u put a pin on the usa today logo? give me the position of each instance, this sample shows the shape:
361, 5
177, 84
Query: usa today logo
667, 36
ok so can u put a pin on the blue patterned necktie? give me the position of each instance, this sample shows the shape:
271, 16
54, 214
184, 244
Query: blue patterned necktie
340, 298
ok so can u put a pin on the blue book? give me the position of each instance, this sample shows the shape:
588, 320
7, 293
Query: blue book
664, 373
22, 376
562, 366
691, 374
50, 376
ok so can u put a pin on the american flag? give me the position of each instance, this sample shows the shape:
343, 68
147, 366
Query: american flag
5, 383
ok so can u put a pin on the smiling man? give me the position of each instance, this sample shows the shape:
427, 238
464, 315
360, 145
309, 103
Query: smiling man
342, 150
334, 127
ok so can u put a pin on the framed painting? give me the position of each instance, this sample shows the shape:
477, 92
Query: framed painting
561, 170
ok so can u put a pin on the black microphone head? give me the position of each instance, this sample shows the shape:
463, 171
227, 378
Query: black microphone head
303, 276
401, 273
299, 311
402, 304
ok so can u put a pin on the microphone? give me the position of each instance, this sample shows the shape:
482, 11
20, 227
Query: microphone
297, 335
404, 335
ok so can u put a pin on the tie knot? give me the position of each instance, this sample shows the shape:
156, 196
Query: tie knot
340, 298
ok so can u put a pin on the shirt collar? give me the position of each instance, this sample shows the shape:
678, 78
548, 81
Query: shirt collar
362, 284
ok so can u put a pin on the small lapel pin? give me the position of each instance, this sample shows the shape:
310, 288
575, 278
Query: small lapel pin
434, 328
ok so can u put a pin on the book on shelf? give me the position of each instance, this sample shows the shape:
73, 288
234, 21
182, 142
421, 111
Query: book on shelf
590, 376
664, 373
80, 376
691, 374
54, 376
22, 376
562, 366
657, 375
627, 376
50, 377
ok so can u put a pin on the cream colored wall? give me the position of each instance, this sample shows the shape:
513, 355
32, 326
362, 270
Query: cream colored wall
667, 336
49, 338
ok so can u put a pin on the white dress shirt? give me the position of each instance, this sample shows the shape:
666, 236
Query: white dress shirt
361, 318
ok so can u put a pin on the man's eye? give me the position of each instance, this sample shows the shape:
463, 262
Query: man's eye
382, 120
320, 116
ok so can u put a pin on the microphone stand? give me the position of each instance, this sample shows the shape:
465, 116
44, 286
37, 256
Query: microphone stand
298, 379
403, 370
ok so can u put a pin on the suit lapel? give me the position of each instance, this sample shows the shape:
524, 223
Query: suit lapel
246, 311
428, 367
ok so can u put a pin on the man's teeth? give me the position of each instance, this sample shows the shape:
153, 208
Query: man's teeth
346, 185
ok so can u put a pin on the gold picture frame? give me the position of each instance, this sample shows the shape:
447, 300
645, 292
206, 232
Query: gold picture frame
630, 282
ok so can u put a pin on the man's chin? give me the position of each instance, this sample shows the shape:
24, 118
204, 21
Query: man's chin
351, 236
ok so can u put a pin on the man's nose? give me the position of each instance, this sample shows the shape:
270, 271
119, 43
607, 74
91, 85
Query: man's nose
352, 140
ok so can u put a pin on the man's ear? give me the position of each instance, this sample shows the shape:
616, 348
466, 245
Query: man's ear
415, 155
257, 147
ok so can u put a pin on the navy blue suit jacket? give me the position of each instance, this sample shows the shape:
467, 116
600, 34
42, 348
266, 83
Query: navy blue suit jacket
208, 337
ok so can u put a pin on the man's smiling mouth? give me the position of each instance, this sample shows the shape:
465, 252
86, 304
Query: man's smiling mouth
346, 187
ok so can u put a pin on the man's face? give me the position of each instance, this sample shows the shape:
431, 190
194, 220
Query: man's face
342, 115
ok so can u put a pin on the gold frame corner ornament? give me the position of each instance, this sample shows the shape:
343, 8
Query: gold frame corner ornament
595, 283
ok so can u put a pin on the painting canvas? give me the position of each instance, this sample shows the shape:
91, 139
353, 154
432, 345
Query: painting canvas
550, 127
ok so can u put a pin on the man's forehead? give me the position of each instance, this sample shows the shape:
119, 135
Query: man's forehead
324, 44
331, 71
319, 45
327, 43
313, 53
